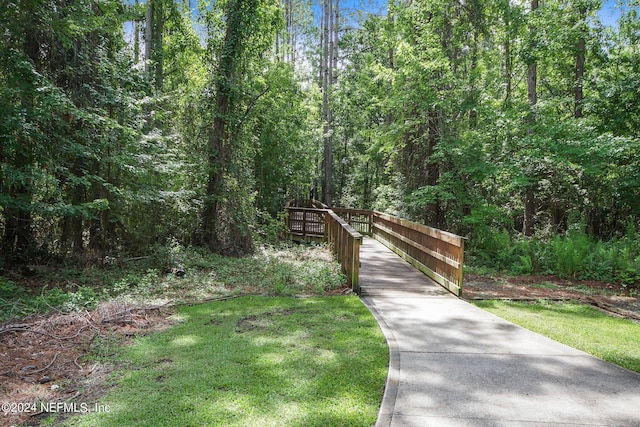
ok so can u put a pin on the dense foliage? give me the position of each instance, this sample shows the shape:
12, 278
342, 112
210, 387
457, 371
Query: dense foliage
512, 123
126, 125
105, 148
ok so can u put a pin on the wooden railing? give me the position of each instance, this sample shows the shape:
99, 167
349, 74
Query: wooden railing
360, 219
345, 243
306, 224
437, 253
310, 224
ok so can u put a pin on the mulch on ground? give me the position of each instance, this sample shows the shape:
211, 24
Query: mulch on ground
615, 298
43, 358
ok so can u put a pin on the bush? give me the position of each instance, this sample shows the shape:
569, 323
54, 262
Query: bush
15, 301
575, 255
270, 230
572, 254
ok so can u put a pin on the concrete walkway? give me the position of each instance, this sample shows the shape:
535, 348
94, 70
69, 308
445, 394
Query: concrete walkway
452, 364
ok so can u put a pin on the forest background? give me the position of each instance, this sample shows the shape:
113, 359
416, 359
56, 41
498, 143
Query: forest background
128, 128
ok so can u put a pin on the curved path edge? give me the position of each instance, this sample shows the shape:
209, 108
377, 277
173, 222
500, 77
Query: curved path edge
385, 414
452, 364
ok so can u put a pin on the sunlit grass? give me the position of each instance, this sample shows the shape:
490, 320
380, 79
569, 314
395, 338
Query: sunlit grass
254, 361
580, 326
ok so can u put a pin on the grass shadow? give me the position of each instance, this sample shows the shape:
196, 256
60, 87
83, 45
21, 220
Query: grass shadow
254, 361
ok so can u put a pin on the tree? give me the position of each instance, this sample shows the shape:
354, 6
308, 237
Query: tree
72, 100
250, 28
532, 97
326, 75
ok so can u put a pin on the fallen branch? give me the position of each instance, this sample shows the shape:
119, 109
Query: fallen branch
612, 310
137, 258
75, 361
55, 337
16, 328
48, 366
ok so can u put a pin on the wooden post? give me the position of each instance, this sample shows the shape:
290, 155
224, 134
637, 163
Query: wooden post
355, 274
461, 261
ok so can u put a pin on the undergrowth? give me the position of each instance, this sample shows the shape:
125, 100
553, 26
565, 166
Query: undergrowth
573, 255
173, 274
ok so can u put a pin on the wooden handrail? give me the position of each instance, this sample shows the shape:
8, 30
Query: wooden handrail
345, 243
306, 223
360, 219
437, 253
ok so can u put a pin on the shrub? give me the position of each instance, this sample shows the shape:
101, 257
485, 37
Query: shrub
15, 301
575, 255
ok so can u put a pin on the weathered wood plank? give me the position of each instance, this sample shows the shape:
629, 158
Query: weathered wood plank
441, 280
453, 263
345, 244
438, 234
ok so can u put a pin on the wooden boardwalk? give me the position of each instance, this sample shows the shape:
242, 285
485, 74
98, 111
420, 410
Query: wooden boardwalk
383, 273
436, 253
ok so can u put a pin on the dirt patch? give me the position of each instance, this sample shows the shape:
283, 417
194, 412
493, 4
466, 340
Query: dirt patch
263, 321
44, 363
615, 298
253, 323
343, 290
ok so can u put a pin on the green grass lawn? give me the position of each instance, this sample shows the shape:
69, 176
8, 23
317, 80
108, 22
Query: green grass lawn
253, 361
580, 326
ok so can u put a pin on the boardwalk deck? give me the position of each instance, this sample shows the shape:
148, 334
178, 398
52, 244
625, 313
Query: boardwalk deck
383, 273
436, 253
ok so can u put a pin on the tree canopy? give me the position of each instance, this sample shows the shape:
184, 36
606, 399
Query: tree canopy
129, 124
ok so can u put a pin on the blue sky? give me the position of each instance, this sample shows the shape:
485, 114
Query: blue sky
609, 14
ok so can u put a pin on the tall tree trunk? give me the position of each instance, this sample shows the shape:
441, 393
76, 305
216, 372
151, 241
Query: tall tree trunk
336, 39
532, 73
217, 157
580, 63
532, 97
327, 185
148, 37
289, 21
78, 196
136, 38
97, 237
508, 67
331, 16
218, 139
473, 112
158, 51
321, 64
434, 212
366, 203
388, 119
